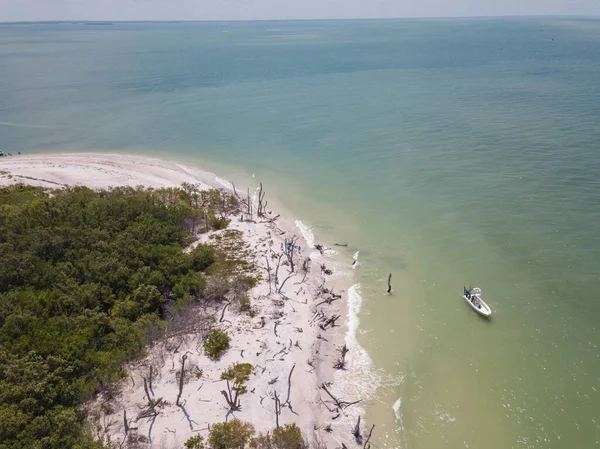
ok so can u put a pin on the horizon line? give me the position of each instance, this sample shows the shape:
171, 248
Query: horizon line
109, 21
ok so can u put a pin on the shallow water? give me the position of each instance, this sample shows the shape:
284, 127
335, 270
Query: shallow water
448, 152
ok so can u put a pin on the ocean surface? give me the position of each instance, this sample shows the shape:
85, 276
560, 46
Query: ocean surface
446, 152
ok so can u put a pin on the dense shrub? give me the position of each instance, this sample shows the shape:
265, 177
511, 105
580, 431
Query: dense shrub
234, 434
216, 343
203, 256
219, 223
237, 434
196, 442
286, 437
84, 278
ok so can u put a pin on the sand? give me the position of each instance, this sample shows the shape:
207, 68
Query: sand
284, 334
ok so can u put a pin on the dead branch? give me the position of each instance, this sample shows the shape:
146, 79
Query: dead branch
340, 404
290, 248
277, 269
146, 390
125, 421
275, 328
223, 313
287, 401
389, 290
284, 281
150, 376
277, 410
181, 377
368, 438
341, 363
269, 273
329, 300
356, 432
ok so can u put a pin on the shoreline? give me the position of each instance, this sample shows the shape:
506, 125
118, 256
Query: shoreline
289, 317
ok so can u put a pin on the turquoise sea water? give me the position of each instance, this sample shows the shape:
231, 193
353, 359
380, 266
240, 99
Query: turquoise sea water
448, 152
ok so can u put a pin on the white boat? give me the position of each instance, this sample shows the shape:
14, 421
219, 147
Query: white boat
473, 298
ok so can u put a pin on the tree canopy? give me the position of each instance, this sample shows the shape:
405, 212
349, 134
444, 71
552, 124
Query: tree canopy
84, 275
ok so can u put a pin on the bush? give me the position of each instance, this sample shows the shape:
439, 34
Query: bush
84, 279
203, 256
217, 343
196, 442
286, 437
245, 304
234, 434
217, 288
219, 223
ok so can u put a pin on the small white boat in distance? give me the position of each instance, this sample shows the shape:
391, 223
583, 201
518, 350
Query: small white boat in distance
473, 298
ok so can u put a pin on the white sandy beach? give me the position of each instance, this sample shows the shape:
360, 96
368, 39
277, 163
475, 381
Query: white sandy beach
284, 334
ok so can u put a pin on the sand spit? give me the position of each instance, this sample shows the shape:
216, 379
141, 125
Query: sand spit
291, 331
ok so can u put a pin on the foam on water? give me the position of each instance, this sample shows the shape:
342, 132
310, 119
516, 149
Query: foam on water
306, 233
355, 257
224, 183
361, 380
396, 408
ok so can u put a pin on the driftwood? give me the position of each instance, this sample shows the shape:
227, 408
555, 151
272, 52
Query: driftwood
326, 270
284, 281
150, 376
277, 269
287, 401
146, 390
223, 313
331, 321
269, 273
329, 300
341, 363
277, 409
340, 404
367, 445
356, 432
305, 268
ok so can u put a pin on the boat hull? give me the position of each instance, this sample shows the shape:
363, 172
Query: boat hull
480, 307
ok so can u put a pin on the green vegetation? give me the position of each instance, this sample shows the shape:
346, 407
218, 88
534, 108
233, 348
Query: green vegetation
286, 437
85, 280
230, 435
196, 442
216, 343
203, 256
237, 434
236, 376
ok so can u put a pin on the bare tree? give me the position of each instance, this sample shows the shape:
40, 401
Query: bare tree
289, 251
269, 273
261, 207
277, 409
181, 377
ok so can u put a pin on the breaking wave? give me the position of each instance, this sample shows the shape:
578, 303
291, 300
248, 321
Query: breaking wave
306, 233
